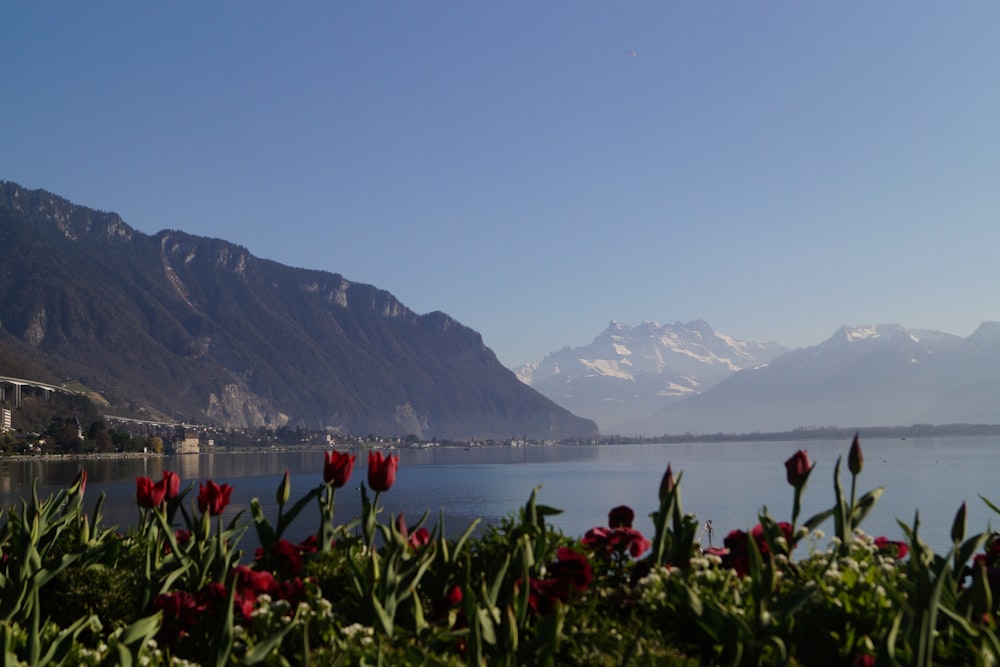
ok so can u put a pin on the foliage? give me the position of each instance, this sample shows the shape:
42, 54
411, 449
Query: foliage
177, 589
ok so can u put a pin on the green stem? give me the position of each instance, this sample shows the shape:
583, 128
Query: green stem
854, 483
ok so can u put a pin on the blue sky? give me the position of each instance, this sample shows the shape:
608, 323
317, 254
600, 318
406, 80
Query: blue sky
777, 169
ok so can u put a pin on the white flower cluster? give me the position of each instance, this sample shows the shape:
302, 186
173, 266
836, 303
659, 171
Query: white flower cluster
364, 632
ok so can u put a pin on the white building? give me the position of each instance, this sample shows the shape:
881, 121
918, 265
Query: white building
4, 420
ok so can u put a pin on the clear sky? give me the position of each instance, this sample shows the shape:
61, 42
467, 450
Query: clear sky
538, 169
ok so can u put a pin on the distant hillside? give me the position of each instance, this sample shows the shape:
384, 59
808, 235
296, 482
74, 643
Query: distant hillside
201, 330
629, 372
862, 376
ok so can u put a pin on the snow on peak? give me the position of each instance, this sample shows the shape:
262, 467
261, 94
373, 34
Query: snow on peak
624, 351
607, 368
621, 350
864, 332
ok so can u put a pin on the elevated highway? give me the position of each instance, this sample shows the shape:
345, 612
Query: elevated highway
18, 383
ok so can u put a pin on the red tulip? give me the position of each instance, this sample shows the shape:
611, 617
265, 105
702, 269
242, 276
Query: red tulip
171, 484
450, 599
892, 547
213, 498
148, 494
608, 541
798, 468
621, 517
180, 615
337, 468
381, 470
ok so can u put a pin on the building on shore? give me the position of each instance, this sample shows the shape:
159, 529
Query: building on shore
190, 443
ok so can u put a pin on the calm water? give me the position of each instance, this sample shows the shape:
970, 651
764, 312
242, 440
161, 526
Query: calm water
727, 483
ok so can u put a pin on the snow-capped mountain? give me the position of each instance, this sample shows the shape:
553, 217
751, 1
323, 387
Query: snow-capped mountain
872, 375
629, 372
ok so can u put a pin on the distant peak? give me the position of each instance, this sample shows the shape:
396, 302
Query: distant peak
987, 331
858, 333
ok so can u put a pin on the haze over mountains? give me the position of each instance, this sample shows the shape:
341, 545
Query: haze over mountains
200, 330
873, 375
197, 329
629, 372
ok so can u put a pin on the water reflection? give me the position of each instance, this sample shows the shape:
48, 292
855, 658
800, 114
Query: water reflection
728, 483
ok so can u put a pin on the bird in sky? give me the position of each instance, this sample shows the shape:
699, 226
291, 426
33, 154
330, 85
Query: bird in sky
633, 53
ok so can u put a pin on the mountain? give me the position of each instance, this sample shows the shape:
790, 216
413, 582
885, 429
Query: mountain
200, 329
629, 372
869, 375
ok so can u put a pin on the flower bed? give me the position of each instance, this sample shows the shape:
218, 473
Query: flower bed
177, 589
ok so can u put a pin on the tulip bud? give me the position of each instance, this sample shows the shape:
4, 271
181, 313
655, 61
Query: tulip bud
958, 525
667, 483
621, 517
855, 460
284, 490
798, 468
81, 480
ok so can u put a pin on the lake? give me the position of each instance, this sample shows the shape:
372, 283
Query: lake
727, 483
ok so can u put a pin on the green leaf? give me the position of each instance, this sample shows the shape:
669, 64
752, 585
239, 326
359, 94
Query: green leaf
486, 626
546, 510
262, 649
813, 522
865, 505
381, 614
142, 629
494, 591
296, 509
265, 533
990, 505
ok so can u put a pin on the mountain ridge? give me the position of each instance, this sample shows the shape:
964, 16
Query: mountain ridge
627, 372
869, 375
200, 326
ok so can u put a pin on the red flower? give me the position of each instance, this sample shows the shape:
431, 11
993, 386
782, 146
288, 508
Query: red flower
213, 598
454, 596
293, 590
721, 552
758, 536
285, 557
249, 585
607, 542
572, 569
171, 484
571, 572
309, 545
891, 547
421, 537
180, 615
451, 599
148, 494
798, 468
213, 498
381, 470
737, 555
337, 468
181, 535
288, 557
621, 517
